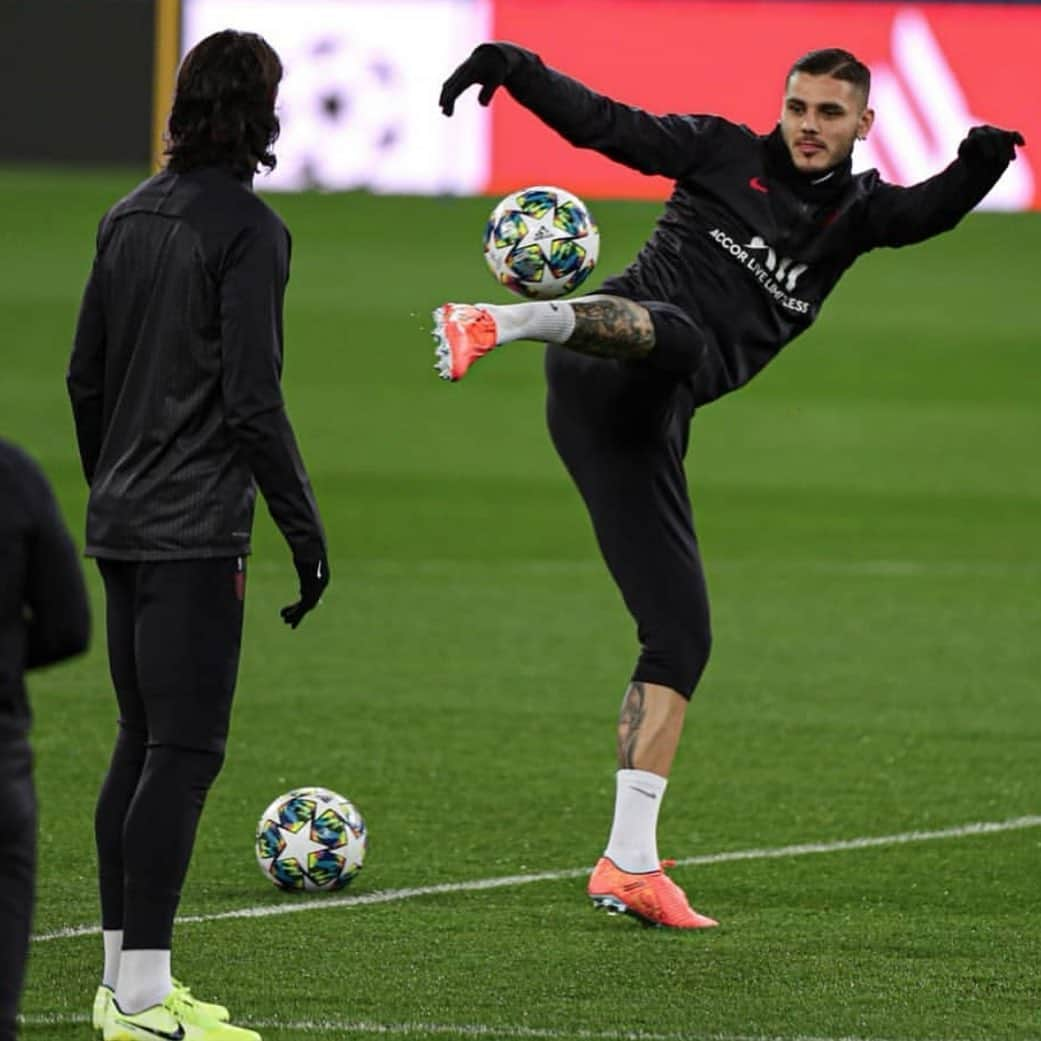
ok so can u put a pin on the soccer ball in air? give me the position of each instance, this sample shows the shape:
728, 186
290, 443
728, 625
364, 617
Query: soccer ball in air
311, 838
541, 242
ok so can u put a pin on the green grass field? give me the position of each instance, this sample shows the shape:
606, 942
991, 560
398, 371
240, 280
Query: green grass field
869, 511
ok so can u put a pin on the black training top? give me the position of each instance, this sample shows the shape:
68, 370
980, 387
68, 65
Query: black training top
746, 245
44, 616
175, 375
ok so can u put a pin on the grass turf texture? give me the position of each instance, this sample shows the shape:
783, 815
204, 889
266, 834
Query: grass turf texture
868, 510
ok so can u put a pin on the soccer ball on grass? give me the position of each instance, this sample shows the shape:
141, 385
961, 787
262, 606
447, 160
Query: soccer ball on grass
311, 838
541, 242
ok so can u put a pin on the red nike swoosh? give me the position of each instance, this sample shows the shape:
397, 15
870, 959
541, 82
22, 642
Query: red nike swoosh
758, 185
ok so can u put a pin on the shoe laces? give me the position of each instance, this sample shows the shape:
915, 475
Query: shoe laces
673, 898
476, 318
179, 1000
185, 992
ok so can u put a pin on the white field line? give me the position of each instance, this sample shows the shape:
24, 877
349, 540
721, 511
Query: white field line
478, 1030
387, 896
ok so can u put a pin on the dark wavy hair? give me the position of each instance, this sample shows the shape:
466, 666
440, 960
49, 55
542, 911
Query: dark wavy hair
224, 106
833, 61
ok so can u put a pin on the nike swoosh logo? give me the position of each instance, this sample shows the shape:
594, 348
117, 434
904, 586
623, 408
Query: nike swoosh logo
758, 185
319, 575
166, 1035
643, 791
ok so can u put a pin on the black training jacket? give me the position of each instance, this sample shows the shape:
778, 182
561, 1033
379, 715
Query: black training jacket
44, 616
175, 375
746, 245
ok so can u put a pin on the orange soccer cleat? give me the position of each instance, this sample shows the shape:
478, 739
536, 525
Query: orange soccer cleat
650, 896
463, 334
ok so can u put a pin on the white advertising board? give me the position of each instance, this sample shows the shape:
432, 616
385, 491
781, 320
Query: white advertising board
358, 102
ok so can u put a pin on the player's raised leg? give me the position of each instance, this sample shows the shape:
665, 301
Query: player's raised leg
603, 326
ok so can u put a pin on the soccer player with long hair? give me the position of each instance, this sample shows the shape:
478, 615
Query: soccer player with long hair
757, 232
175, 382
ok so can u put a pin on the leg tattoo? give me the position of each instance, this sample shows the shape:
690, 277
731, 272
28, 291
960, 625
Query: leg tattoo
630, 720
611, 327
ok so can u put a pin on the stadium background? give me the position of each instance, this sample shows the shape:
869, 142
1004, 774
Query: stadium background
355, 102
869, 510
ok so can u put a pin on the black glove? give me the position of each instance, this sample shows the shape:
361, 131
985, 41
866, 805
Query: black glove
487, 65
990, 145
314, 577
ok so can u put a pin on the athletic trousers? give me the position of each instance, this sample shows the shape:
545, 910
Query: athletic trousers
621, 429
17, 874
174, 635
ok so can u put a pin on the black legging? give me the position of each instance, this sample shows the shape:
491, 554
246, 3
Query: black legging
621, 429
174, 632
17, 874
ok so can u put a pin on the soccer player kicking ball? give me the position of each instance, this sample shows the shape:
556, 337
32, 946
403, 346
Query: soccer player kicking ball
175, 381
757, 232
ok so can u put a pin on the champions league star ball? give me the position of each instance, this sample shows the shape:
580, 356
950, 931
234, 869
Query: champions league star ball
311, 838
541, 242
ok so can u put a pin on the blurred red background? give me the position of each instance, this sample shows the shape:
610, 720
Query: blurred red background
731, 59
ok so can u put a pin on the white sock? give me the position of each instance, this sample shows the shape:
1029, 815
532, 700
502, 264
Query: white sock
633, 844
551, 321
144, 980
113, 941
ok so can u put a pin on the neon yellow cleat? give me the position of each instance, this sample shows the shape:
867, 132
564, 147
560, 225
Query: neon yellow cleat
104, 995
207, 1008
179, 1017
102, 999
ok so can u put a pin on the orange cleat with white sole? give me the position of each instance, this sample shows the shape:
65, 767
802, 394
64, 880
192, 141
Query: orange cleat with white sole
463, 333
650, 896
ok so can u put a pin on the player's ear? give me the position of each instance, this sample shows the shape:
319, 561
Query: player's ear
864, 124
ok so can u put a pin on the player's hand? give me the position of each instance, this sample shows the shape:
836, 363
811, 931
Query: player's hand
990, 145
486, 66
314, 577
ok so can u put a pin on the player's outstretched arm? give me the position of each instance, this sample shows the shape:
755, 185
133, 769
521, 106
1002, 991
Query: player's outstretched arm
668, 145
487, 67
902, 216
990, 146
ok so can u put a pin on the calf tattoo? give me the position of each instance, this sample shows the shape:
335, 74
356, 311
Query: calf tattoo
611, 327
630, 720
